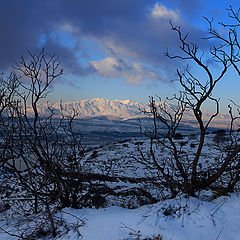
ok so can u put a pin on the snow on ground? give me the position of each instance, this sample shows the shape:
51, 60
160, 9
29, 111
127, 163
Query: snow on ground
178, 219
186, 219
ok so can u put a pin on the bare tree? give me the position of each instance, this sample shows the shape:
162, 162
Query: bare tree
44, 152
180, 172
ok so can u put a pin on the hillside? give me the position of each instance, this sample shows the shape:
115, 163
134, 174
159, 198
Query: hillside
181, 218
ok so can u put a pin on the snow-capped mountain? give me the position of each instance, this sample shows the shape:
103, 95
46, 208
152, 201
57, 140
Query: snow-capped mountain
97, 107
119, 109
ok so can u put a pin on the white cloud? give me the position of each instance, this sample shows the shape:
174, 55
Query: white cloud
132, 72
68, 28
160, 11
107, 67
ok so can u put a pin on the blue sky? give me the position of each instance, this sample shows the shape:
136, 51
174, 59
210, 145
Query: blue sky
109, 48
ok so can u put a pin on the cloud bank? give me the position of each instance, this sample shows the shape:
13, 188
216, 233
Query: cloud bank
132, 35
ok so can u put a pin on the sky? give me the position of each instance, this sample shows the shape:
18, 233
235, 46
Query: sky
110, 49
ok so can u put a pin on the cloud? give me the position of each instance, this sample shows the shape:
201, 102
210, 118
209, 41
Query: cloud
69, 58
160, 11
188, 7
131, 72
136, 30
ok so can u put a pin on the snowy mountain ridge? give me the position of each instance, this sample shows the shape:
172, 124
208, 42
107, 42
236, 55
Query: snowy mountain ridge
117, 109
97, 107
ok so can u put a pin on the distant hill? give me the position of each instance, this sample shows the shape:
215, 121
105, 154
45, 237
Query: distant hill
119, 110
97, 107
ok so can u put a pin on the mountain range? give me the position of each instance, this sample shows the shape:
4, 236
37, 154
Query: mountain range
97, 107
117, 109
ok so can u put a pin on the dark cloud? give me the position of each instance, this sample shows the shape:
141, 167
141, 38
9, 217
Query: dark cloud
126, 29
68, 58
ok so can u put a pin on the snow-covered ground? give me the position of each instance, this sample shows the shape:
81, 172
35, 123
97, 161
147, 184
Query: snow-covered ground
182, 218
178, 219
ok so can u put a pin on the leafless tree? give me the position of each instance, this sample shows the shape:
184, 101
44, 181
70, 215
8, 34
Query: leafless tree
44, 152
179, 172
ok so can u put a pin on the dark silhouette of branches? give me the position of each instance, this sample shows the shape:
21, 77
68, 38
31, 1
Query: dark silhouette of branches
179, 171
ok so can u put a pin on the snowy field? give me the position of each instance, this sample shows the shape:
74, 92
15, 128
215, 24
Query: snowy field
178, 219
202, 218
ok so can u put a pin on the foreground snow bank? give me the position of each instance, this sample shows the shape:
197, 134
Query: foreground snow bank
178, 219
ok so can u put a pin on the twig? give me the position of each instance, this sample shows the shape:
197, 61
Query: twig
12, 234
125, 226
219, 233
79, 219
219, 206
